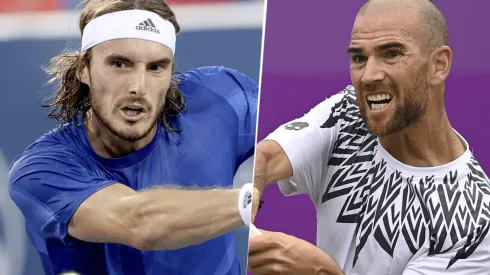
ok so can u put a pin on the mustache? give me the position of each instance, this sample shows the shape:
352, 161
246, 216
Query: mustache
134, 100
370, 88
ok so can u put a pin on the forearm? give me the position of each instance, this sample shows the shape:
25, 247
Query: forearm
169, 219
271, 164
261, 177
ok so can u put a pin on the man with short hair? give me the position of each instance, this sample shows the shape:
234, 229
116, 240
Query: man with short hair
396, 188
109, 192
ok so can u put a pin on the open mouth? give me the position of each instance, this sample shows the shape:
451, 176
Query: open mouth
379, 101
132, 111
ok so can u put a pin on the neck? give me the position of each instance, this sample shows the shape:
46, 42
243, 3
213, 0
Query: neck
428, 143
108, 145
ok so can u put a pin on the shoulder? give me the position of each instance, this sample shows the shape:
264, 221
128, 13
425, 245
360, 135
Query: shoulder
476, 191
56, 148
340, 108
459, 210
212, 73
219, 89
217, 79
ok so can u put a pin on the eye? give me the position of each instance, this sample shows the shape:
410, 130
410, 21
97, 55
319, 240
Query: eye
358, 59
118, 64
156, 68
393, 54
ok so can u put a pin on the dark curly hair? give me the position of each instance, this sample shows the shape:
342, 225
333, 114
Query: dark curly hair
71, 96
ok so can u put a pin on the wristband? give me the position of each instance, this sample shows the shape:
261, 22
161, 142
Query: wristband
245, 203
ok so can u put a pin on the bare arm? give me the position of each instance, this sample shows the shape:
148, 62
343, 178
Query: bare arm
157, 219
271, 164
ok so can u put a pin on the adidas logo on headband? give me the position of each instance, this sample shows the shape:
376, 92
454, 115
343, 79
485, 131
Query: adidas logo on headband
116, 25
147, 25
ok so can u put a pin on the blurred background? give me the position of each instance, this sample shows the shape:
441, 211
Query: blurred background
214, 32
305, 61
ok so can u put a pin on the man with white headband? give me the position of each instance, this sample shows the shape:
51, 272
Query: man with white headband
138, 178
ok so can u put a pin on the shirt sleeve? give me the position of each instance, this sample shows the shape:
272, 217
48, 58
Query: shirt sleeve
48, 183
244, 101
308, 142
240, 92
470, 255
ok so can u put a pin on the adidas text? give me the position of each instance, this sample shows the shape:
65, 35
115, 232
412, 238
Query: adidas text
146, 28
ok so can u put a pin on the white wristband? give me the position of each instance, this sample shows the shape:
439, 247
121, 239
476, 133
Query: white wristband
245, 203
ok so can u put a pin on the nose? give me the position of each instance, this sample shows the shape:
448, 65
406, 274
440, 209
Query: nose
372, 72
137, 84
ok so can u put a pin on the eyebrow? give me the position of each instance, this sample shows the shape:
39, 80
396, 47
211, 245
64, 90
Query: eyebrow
381, 47
164, 60
354, 49
390, 45
113, 57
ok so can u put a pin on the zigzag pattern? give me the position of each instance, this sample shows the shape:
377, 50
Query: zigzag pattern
385, 206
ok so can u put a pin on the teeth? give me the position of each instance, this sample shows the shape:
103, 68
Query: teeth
378, 106
378, 97
130, 112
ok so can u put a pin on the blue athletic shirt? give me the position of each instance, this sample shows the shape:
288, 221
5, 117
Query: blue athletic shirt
54, 175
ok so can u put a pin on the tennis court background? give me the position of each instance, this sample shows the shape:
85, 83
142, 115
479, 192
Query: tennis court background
215, 32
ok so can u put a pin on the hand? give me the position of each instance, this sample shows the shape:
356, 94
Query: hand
278, 253
255, 203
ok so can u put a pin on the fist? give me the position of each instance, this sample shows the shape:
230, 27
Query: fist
278, 253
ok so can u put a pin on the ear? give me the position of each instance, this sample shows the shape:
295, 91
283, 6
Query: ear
85, 78
441, 65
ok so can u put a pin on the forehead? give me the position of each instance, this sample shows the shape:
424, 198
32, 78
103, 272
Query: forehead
378, 27
136, 49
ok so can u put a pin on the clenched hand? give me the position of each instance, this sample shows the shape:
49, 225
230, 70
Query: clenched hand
278, 253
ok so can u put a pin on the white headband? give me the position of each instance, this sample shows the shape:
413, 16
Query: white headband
141, 24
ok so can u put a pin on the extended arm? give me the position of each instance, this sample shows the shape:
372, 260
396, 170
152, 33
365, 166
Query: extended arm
157, 219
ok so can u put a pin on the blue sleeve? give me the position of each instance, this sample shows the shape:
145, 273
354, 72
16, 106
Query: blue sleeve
247, 112
241, 93
48, 182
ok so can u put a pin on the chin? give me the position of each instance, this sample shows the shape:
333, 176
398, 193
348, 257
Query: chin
385, 128
133, 132
131, 137
377, 130
378, 127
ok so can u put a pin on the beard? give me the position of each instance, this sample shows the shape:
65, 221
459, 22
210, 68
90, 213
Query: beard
130, 135
127, 132
413, 110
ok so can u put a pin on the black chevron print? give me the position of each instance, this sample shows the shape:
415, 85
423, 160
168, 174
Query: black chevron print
473, 199
414, 229
384, 204
354, 202
345, 180
391, 189
473, 241
364, 227
335, 115
387, 233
